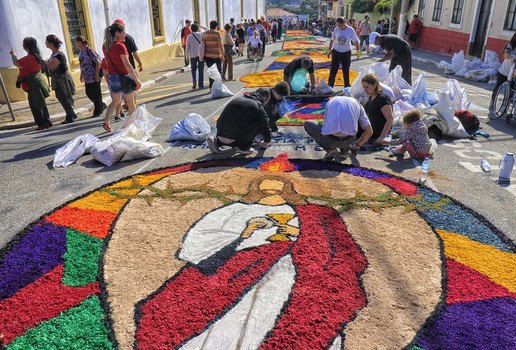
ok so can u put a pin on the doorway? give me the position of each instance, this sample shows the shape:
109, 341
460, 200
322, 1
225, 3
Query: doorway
477, 46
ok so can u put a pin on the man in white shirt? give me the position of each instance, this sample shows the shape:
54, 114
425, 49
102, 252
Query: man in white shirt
337, 134
340, 50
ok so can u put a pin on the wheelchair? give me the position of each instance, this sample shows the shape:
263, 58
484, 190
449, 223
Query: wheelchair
504, 104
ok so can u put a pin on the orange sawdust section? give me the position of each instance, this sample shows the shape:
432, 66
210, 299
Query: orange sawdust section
271, 77
95, 213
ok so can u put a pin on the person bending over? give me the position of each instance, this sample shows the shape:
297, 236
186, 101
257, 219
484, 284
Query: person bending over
337, 134
302, 62
278, 92
241, 121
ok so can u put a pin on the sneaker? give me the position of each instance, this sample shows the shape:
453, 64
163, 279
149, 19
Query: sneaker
120, 117
194, 86
246, 151
212, 145
276, 134
330, 155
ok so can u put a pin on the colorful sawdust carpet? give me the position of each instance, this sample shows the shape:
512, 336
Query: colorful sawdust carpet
301, 44
299, 110
259, 253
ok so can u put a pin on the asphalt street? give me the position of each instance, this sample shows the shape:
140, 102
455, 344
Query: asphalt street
31, 187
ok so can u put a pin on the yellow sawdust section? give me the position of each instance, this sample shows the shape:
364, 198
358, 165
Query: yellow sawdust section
104, 200
316, 57
289, 45
499, 266
270, 78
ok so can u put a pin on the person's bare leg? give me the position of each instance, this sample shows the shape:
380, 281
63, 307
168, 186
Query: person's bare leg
115, 101
131, 103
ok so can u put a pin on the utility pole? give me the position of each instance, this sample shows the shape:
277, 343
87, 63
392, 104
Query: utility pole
390, 17
402, 23
319, 8
106, 13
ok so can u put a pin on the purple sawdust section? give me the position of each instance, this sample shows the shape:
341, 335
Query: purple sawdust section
37, 252
302, 165
485, 324
368, 174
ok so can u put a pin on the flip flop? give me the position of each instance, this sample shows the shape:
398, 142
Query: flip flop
107, 127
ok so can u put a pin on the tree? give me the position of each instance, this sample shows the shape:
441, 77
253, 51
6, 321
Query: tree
309, 7
384, 6
362, 6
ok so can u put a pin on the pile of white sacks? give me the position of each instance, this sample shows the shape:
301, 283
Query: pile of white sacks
127, 143
475, 69
445, 101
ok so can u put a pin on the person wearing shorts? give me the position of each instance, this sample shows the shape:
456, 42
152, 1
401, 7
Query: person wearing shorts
121, 75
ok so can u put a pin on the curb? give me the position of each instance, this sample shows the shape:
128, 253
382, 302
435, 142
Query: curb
61, 116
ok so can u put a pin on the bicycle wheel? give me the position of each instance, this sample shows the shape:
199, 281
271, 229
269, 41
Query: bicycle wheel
501, 101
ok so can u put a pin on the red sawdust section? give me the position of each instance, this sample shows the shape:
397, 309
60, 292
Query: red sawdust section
401, 186
42, 300
466, 284
278, 164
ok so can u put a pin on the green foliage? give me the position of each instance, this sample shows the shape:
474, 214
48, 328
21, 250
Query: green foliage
384, 6
309, 7
361, 6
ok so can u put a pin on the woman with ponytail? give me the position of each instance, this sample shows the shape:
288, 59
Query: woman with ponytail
32, 82
121, 76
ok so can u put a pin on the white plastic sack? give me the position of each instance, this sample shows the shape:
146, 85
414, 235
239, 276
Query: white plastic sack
446, 109
464, 69
193, 127
135, 149
478, 75
73, 150
372, 38
448, 68
388, 91
144, 122
457, 95
396, 82
106, 152
356, 89
322, 88
218, 90
381, 69
398, 109
419, 91
491, 59
458, 61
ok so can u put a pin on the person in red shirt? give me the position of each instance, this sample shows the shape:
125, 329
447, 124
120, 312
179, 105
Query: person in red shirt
121, 75
414, 31
185, 31
32, 82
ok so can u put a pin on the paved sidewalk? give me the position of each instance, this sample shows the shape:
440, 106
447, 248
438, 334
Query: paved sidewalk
83, 106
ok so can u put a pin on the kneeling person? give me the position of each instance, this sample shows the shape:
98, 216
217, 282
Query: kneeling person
303, 62
337, 134
278, 92
241, 121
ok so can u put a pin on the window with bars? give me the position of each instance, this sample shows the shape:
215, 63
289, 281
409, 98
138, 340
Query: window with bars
75, 21
438, 9
421, 8
510, 18
458, 6
156, 18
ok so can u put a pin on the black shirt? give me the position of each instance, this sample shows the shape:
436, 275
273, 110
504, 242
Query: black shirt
294, 65
243, 118
131, 47
373, 109
400, 47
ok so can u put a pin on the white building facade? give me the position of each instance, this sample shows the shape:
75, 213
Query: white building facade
154, 24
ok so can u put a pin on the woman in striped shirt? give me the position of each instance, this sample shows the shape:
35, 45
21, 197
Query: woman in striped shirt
213, 49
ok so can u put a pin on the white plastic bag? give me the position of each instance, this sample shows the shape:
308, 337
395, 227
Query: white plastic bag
218, 90
106, 152
144, 122
458, 61
193, 127
356, 89
135, 149
73, 150
322, 88
398, 109
388, 91
446, 109
419, 91
381, 69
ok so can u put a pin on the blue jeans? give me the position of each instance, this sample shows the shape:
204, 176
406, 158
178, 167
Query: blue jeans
196, 64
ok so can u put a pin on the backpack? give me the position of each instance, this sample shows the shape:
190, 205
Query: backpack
468, 120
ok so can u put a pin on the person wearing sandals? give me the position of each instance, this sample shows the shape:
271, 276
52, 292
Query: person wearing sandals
192, 52
31, 81
121, 75
62, 82
90, 74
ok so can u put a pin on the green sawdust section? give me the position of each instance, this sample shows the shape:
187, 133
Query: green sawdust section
291, 38
308, 50
388, 199
81, 258
81, 327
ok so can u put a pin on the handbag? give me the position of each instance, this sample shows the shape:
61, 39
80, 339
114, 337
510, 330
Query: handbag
127, 82
94, 57
228, 49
